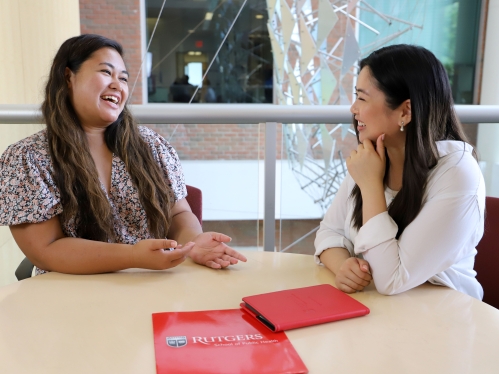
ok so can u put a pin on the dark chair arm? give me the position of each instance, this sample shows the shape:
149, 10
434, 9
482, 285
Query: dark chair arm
25, 269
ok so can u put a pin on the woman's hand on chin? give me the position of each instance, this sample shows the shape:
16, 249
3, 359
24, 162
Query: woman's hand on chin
210, 250
366, 165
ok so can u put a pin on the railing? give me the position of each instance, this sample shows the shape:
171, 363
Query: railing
243, 113
246, 114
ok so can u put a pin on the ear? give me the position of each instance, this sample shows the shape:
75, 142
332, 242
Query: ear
68, 75
405, 108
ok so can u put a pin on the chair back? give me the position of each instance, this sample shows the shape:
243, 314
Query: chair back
487, 257
195, 200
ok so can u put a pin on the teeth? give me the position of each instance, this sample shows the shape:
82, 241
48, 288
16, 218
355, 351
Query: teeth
111, 98
362, 124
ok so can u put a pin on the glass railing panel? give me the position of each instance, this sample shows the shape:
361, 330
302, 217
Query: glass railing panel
311, 169
224, 161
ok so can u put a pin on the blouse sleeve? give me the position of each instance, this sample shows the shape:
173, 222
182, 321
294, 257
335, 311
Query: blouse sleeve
445, 231
27, 191
167, 158
331, 232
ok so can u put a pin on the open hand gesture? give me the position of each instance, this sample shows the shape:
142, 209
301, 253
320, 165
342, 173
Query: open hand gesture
210, 250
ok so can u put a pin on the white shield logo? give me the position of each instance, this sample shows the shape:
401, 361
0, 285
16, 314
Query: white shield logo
176, 341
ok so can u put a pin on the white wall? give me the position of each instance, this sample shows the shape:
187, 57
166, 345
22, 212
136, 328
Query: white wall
31, 31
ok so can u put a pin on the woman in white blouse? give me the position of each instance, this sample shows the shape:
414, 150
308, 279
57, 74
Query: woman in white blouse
411, 208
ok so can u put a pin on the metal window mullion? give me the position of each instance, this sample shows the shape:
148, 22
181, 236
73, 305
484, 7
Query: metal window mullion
269, 186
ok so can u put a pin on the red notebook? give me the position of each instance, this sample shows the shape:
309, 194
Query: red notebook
300, 307
220, 341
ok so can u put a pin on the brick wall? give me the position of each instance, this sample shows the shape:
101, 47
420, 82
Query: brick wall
118, 20
218, 142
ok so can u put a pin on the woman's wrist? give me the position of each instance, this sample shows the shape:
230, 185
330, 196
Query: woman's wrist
333, 258
373, 202
131, 256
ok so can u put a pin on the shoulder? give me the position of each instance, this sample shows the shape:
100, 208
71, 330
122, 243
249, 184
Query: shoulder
149, 135
159, 146
36, 143
27, 189
167, 159
152, 137
34, 147
457, 171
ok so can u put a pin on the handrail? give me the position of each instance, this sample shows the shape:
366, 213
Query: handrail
241, 113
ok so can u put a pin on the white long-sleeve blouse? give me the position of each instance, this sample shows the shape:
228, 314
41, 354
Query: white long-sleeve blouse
438, 246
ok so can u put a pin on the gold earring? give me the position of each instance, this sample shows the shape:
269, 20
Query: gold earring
402, 126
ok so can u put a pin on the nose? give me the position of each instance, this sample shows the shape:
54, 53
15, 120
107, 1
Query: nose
353, 108
115, 83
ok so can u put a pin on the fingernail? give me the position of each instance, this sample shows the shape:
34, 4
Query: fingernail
383, 137
174, 244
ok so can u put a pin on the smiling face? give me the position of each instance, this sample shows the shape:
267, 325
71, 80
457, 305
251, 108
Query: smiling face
99, 90
373, 114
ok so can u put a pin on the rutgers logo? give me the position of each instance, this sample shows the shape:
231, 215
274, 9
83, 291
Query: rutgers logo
176, 341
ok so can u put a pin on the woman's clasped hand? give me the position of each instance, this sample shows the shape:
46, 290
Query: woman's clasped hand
353, 275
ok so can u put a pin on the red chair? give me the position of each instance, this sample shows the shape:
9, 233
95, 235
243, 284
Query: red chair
195, 200
487, 258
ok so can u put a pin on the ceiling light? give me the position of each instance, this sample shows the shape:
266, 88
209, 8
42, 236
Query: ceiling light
259, 16
208, 16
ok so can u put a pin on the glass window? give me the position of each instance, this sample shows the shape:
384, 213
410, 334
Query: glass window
190, 37
448, 28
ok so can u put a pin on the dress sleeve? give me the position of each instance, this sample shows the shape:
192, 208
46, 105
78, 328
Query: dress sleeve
445, 231
331, 232
27, 191
167, 158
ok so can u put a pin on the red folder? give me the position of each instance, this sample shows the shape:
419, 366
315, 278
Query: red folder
300, 307
220, 341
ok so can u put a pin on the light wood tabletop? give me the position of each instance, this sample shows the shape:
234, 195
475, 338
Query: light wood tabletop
58, 323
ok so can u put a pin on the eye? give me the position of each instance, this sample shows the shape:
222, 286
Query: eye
357, 96
106, 71
124, 79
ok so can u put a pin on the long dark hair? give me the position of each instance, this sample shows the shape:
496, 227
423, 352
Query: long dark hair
404, 72
75, 173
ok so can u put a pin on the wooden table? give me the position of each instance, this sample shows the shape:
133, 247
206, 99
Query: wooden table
57, 323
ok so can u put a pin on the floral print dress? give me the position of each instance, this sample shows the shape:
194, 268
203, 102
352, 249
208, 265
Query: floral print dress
28, 193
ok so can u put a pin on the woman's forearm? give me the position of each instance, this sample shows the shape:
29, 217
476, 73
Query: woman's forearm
81, 256
333, 258
184, 228
373, 202
46, 246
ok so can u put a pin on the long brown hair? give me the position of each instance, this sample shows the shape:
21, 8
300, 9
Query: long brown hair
404, 72
75, 173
